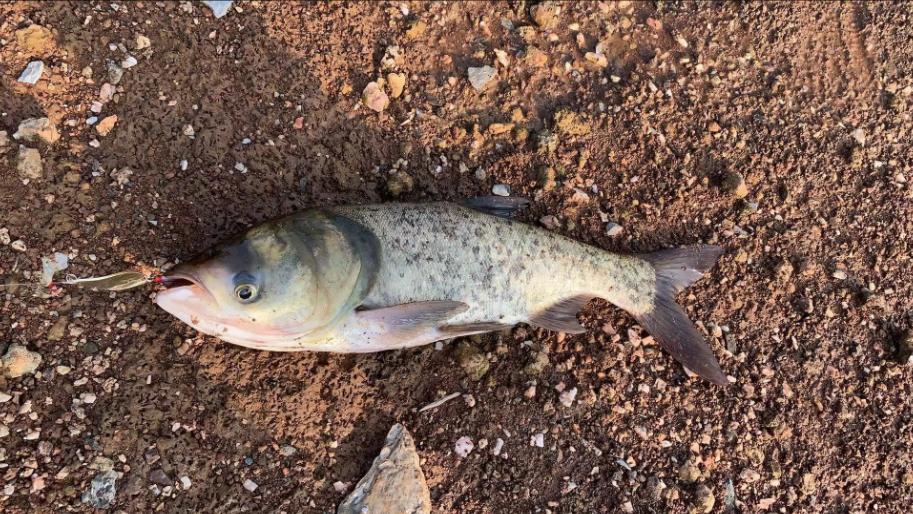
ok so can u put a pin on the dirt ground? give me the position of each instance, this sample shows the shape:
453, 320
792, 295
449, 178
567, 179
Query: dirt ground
781, 131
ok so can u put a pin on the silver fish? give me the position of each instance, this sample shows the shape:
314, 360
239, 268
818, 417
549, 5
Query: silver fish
379, 277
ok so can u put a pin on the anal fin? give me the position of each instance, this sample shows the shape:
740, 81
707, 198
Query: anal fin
562, 317
468, 329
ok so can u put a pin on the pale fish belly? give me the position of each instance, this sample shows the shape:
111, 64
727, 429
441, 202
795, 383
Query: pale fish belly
505, 271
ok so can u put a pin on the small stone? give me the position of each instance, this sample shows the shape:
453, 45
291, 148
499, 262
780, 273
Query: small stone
35, 39
96, 107
5, 236
550, 222
545, 14
158, 476
714, 127
392, 59
18, 245
397, 82
395, 482
859, 136
500, 190
185, 482
567, 397
32, 72
31, 129
250, 485
115, 72
105, 94
28, 163
598, 60
481, 77
809, 484
463, 447
749, 476
530, 392
500, 128
537, 440
399, 182
734, 184
839, 274
219, 8
4, 397
19, 360
341, 487
613, 229
704, 500
416, 29
689, 472
537, 364
570, 123
374, 97
502, 57
142, 42
105, 126
57, 330
102, 490
128, 62
472, 360
536, 57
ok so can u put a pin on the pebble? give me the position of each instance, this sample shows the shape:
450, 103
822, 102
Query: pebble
19, 360
92, 120
463, 447
102, 490
497, 447
859, 136
5, 236
839, 274
597, 59
142, 42
250, 485
394, 483
734, 184
537, 440
106, 93
32, 72
128, 62
704, 500
481, 77
472, 360
219, 8
536, 57
18, 245
51, 265
749, 476
42, 129
115, 72
567, 397
28, 163
537, 364
689, 472
185, 482
613, 229
416, 30
96, 107
545, 14
341, 487
374, 97
400, 182
158, 476
105, 126
397, 82
500, 190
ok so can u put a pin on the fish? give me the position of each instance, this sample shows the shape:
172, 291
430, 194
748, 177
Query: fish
369, 278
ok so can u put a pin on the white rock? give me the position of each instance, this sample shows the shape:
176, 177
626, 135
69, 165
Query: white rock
481, 77
537, 440
567, 397
463, 446
32, 129
250, 485
88, 398
32, 72
19, 360
18, 245
500, 190
29, 164
128, 62
185, 482
4, 236
219, 7
142, 42
613, 229
496, 449
395, 482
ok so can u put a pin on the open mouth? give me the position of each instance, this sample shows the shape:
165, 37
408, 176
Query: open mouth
175, 281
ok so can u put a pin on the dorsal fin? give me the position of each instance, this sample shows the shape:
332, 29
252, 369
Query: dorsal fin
500, 206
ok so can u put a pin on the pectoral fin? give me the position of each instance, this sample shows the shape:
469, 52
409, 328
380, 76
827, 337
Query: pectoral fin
409, 320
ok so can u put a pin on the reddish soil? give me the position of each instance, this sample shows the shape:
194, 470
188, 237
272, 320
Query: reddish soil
809, 101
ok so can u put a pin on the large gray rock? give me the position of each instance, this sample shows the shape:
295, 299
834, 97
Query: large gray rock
394, 484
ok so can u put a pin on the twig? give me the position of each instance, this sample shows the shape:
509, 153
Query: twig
439, 402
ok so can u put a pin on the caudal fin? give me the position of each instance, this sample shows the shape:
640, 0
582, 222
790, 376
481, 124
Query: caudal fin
676, 269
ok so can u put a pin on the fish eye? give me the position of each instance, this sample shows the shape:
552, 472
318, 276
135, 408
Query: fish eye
246, 293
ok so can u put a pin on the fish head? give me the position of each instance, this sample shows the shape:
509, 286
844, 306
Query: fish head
276, 283
256, 291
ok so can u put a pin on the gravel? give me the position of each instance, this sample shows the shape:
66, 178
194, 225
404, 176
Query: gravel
32, 72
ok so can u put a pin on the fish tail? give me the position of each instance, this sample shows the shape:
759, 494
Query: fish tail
675, 269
